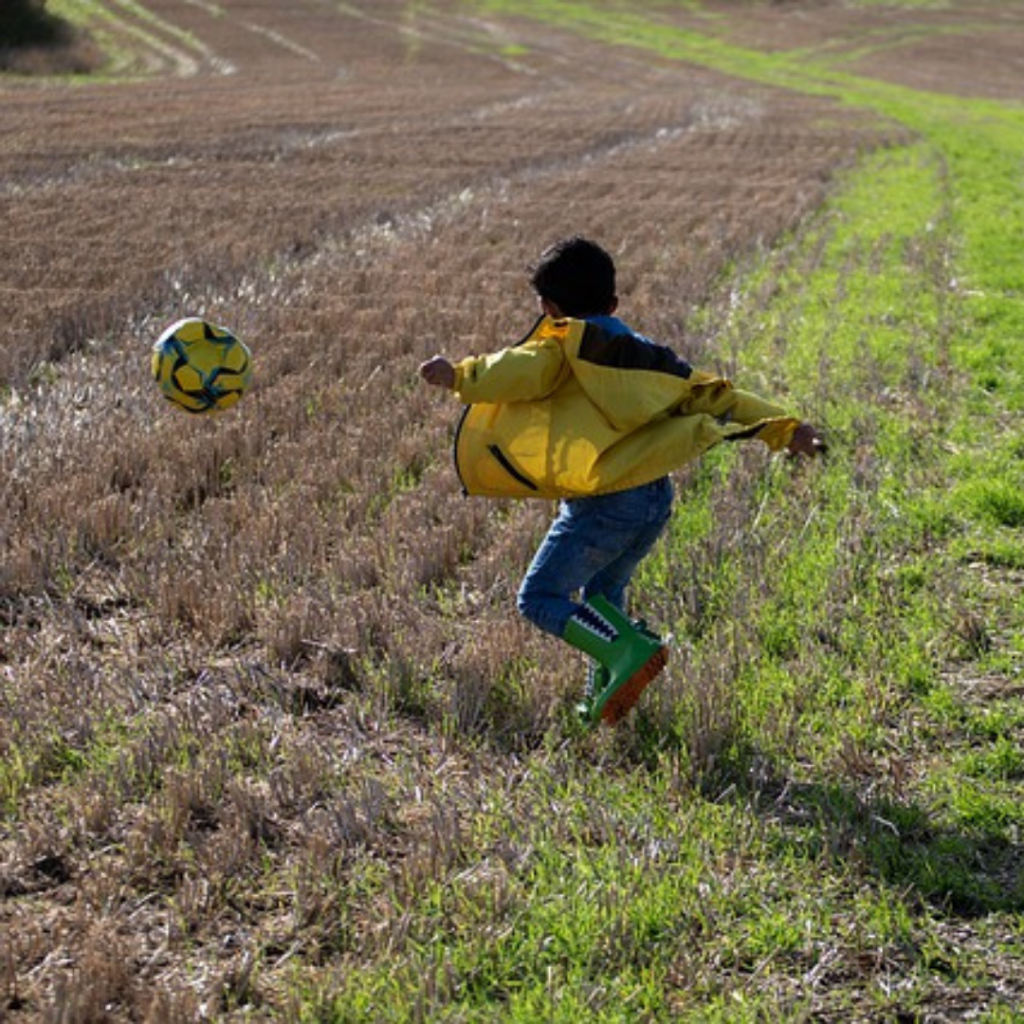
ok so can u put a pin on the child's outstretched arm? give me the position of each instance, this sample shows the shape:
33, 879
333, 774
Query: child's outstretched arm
521, 373
716, 397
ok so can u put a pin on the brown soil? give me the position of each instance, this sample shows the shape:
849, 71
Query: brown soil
970, 48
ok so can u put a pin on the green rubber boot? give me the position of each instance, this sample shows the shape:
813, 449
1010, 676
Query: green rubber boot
631, 656
597, 682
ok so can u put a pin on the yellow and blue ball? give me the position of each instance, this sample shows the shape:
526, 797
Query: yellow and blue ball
201, 367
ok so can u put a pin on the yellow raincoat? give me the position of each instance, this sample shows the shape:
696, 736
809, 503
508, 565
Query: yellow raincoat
581, 408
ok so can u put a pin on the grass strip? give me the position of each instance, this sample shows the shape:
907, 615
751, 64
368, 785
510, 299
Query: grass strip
828, 791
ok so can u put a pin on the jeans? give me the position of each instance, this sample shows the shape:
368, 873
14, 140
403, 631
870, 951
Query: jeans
593, 547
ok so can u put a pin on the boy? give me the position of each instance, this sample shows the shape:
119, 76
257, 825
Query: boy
589, 412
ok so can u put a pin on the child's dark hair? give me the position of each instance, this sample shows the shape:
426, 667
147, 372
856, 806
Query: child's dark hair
577, 275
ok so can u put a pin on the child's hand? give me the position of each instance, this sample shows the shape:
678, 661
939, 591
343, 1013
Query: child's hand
806, 441
439, 372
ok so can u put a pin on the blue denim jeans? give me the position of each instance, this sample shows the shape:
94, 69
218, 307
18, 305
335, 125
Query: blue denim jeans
593, 547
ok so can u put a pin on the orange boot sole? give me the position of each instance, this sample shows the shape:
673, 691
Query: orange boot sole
625, 697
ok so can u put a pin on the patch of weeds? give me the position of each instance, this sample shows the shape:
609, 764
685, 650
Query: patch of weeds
998, 549
1002, 760
999, 501
17, 777
401, 686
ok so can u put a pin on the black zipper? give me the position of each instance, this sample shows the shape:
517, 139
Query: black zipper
509, 468
494, 449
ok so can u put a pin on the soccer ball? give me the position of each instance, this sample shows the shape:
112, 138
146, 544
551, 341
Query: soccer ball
201, 367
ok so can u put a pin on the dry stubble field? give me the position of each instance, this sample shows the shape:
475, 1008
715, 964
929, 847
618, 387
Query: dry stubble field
248, 660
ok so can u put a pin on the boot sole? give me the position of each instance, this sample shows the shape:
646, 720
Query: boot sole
621, 702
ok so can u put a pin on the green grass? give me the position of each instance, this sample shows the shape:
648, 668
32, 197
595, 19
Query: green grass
130, 36
816, 792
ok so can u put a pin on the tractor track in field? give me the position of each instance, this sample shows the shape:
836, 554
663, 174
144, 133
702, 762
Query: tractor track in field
163, 189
